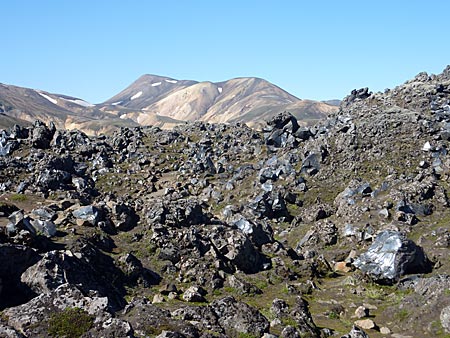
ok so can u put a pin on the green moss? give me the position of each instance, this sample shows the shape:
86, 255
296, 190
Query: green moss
402, 315
261, 284
4, 317
246, 335
229, 289
71, 323
18, 197
288, 321
333, 315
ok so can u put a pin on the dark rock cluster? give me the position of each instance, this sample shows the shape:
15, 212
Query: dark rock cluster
223, 231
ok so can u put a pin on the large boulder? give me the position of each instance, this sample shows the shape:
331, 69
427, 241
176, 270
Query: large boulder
34, 317
237, 248
41, 135
391, 256
239, 318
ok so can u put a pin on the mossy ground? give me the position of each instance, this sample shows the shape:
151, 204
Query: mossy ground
70, 323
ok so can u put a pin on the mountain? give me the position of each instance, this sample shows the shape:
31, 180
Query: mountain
164, 102
25, 105
250, 100
147, 90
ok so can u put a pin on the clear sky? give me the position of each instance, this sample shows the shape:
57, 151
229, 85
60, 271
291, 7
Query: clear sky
313, 49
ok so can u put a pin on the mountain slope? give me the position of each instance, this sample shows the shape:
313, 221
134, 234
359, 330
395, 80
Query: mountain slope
164, 102
27, 105
249, 100
146, 90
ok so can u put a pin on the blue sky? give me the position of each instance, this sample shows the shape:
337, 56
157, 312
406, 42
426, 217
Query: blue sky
313, 49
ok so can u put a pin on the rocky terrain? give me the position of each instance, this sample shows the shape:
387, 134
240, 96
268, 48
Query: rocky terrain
337, 229
162, 102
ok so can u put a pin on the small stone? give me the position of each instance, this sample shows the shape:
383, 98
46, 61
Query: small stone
423, 164
370, 306
268, 335
193, 294
158, 298
342, 267
426, 146
275, 322
445, 318
366, 324
384, 213
385, 330
361, 312
172, 295
168, 288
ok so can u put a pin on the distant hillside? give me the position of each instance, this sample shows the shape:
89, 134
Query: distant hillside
249, 100
163, 102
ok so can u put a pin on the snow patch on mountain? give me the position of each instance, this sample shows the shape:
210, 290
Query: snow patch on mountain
79, 102
135, 96
52, 100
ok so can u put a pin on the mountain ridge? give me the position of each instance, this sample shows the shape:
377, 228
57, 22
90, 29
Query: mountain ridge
162, 101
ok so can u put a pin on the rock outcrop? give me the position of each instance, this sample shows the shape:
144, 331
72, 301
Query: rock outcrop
221, 230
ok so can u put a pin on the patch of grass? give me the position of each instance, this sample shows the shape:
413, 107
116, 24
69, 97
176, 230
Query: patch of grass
70, 323
246, 335
18, 197
402, 315
261, 284
375, 292
288, 321
229, 289
4, 317
156, 330
333, 315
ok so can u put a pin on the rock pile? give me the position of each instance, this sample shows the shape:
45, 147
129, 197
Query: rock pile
220, 230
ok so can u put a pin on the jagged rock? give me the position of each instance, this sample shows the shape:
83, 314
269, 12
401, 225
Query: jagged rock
281, 130
7, 143
32, 317
148, 319
123, 216
14, 260
305, 324
53, 179
279, 307
391, 256
361, 94
356, 332
243, 287
239, 250
41, 135
158, 299
218, 206
237, 317
19, 223
321, 233
179, 214
361, 312
366, 324
87, 215
88, 268
9, 332
194, 294
136, 273
445, 318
